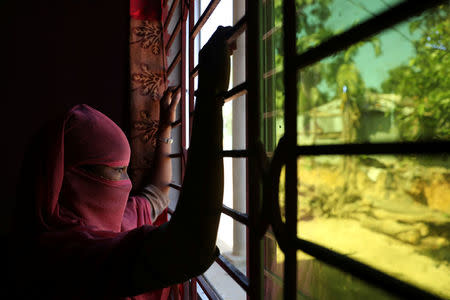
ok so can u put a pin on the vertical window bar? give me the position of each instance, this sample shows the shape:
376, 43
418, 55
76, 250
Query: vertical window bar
189, 107
191, 61
183, 83
290, 112
252, 69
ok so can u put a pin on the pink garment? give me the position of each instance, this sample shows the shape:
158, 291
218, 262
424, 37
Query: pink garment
89, 137
88, 228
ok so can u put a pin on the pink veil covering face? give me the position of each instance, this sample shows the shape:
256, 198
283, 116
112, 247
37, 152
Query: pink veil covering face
68, 196
68, 238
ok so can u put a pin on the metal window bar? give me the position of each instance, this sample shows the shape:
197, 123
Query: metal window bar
236, 215
270, 32
175, 155
364, 30
180, 87
185, 12
234, 272
176, 123
254, 203
431, 147
207, 287
174, 34
290, 118
203, 18
191, 60
174, 63
175, 186
235, 153
194, 72
184, 107
238, 29
339, 42
170, 14
363, 271
235, 92
232, 94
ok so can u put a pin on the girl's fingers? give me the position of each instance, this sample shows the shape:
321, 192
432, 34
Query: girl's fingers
167, 98
175, 101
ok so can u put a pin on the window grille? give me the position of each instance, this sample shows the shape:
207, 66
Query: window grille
263, 219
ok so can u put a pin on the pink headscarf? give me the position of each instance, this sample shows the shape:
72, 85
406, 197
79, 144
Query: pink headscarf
86, 229
72, 196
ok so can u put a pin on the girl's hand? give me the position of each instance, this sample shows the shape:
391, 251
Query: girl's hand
214, 62
168, 108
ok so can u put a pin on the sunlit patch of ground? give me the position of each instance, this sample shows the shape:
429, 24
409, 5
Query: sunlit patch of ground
380, 251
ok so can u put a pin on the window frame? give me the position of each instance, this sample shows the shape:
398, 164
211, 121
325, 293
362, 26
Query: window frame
288, 151
262, 182
185, 58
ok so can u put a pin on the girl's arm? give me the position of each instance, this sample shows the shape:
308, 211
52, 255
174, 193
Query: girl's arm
185, 246
161, 172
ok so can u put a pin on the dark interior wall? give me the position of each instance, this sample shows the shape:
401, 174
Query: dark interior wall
56, 54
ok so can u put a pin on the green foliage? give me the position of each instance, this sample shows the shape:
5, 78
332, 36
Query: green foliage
424, 84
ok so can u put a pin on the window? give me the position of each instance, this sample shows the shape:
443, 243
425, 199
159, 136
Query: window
227, 277
356, 89
350, 99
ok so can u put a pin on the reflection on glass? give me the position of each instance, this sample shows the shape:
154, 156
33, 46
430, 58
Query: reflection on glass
272, 77
273, 268
392, 87
317, 280
390, 212
321, 19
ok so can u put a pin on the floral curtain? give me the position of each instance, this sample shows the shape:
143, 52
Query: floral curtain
148, 75
148, 81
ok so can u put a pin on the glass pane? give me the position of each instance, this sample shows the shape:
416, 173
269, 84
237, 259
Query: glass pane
272, 77
390, 212
273, 268
322, 19
232, 240
393, 87
317, 280
273, 287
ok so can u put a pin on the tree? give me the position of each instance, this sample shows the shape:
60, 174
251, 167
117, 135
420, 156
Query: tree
424, 84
